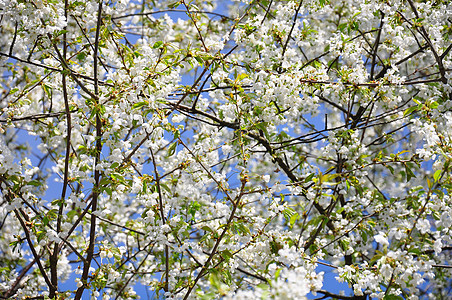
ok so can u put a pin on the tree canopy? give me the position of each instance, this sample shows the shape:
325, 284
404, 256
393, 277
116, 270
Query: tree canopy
225, 149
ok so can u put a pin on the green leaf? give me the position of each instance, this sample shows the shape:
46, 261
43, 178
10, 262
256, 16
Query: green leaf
415, 251
199, 60
214, 280
263, 126
174, 5
364, 236
242, 76
61, 32
391, 169
241, 228
165, 187
354, 25
437, 175
172, 149
329, 177
13, 91
40, 235
275, 247
288, 213
293, 219
70, 214
410, 110
47, 89
342, 26
344, 244
207, 229
226, 254
117, 177
35, 183
81, 56
193, 208
176, 132
277, 273
409, 173
376, 257
157, 45
309, 178
107, 190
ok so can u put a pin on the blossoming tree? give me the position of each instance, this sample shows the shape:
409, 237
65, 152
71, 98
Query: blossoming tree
216, 149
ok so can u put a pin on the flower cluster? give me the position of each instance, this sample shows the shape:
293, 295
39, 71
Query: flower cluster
225, 149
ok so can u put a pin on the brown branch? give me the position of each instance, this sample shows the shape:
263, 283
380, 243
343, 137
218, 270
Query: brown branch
377, 43
36, 256
37, 116
123, 287
119, 225
267, 11
15, 286
342, 297
92, 234
54, 257
11, 48
196, 26
291, 29
424, 34
159, 191
235, 204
